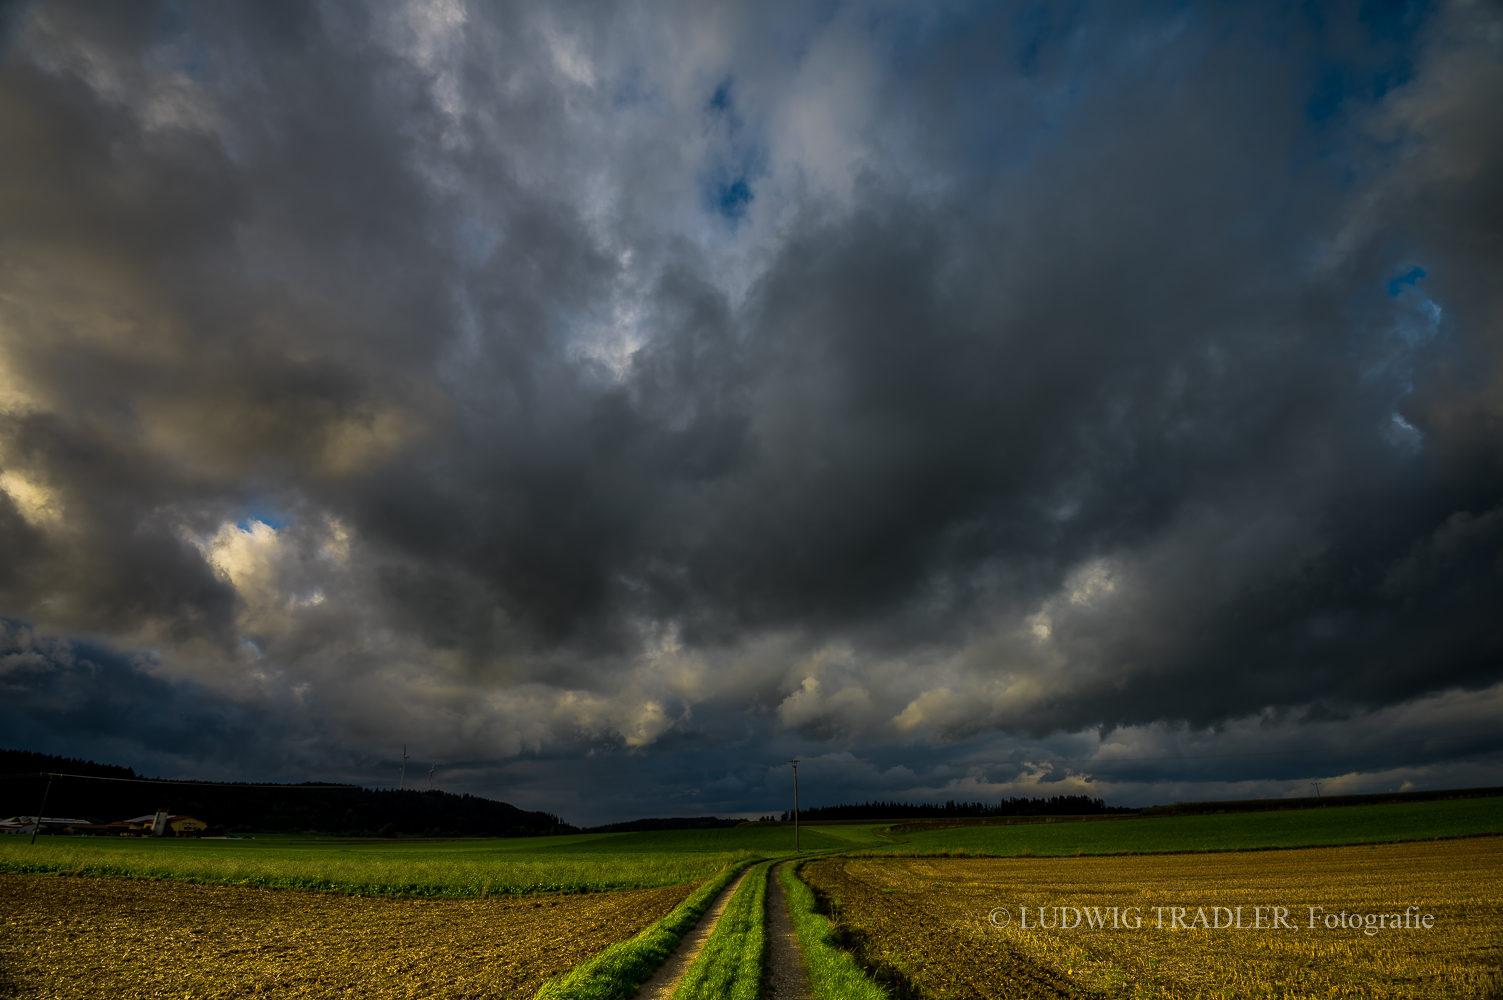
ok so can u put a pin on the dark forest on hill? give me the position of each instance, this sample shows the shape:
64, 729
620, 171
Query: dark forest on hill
1057, 805
237, 808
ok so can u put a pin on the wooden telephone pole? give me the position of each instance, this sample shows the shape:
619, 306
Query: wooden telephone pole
48, 791
795, 805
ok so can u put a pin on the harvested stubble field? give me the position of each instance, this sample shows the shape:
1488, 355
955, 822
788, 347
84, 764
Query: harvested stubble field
125, 938
922, 924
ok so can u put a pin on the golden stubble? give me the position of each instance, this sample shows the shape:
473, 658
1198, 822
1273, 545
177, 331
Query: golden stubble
1460, 882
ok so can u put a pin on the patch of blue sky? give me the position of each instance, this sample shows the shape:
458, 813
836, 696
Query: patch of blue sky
1345, 75
1409, 277
1418, 321
738, 157
720, 100
1392, 331
266, 514
733, 199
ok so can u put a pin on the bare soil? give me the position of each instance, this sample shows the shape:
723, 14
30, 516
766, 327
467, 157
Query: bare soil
129, 939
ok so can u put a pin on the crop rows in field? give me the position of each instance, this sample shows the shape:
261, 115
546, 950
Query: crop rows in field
139, 939
928, 924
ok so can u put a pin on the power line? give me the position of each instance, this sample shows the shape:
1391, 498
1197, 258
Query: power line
309, 786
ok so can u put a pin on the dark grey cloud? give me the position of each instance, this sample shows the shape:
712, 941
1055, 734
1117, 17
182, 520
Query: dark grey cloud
702, 384
59, 693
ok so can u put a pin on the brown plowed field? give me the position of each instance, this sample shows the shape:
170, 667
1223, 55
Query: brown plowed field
128, 939
923, 923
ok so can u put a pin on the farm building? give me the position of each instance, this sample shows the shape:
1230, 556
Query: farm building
50, 824
159, 824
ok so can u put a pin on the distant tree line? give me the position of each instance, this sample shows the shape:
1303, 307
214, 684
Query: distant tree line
1056, 805
231, 807
666, 823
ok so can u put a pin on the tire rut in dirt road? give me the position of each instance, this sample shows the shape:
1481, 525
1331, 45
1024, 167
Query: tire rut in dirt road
787, 977
661, 984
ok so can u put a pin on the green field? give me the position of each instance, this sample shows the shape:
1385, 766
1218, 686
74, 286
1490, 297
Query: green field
1217, 832
766, 840
579, 863
852, 836
602, 861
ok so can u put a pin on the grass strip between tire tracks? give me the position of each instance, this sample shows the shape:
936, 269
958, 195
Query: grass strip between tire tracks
833, 973
730, 965
615, 973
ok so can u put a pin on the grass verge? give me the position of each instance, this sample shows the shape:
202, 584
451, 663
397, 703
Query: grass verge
833, 973
615, 973
730, 966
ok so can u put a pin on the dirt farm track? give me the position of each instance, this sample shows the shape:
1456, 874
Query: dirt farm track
129, 939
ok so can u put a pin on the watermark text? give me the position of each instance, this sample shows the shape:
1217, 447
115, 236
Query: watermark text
1207, 918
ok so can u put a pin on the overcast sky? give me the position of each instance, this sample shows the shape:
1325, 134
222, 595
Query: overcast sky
612, 401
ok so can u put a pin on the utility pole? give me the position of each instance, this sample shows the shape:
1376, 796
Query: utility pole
795, 805
1317, 788
402, 774
45, 792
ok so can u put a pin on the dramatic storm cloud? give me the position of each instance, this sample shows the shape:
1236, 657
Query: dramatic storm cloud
611, 401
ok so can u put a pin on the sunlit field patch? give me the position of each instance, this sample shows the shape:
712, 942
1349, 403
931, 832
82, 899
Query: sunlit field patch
924, 923
466, 868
